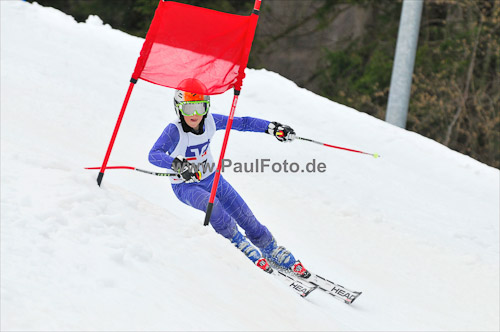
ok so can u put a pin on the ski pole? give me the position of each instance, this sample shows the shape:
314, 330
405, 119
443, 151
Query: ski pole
375, 155
134, 169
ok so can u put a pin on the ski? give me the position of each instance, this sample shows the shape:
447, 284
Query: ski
303, 281
338, 291
301, 287
298, 285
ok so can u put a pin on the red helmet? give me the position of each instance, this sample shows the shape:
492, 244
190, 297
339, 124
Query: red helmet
191, 99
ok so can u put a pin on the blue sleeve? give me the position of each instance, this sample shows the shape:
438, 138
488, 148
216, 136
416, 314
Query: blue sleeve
164, 146
245, 123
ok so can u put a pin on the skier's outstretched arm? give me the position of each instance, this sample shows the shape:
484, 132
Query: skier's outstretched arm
282, 132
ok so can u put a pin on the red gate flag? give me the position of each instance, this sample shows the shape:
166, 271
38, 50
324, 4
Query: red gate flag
187, 44
186, 41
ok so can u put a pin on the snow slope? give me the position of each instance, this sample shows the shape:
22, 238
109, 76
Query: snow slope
416, 230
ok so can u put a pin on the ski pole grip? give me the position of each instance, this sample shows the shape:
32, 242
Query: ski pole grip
209, 212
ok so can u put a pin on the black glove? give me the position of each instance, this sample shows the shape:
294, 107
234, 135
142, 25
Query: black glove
282, 133
186, 170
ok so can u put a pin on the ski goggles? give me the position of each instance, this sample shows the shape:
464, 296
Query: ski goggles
190, 108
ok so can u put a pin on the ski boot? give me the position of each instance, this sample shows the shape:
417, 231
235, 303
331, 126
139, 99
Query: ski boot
246, 247
278, 256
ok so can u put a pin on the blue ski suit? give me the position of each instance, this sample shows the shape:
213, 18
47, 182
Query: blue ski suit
229, 207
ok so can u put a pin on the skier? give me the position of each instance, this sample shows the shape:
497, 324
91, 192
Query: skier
184, 149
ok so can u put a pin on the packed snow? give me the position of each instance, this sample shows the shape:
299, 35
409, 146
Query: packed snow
416, 230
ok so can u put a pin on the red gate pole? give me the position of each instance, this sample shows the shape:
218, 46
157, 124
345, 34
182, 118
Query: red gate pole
210, 206
221, 157
115, 132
